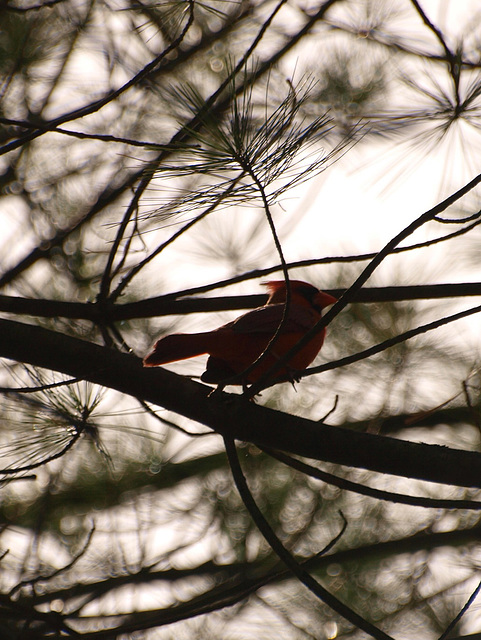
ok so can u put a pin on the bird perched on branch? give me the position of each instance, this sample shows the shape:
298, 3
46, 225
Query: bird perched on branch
235, 346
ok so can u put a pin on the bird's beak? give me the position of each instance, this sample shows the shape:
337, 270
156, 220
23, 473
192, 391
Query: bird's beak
322, 299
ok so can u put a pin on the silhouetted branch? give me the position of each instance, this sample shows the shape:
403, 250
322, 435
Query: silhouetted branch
231, 415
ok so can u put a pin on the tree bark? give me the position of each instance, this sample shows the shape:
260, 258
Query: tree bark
231, 415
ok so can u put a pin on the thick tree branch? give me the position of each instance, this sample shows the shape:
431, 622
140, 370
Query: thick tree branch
233, 416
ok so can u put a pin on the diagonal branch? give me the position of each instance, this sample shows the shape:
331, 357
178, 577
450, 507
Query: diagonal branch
382, 346
233, 417
112, 95
352, 292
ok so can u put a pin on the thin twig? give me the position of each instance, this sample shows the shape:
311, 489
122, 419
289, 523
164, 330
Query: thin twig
42, 387
49, 576
455, 621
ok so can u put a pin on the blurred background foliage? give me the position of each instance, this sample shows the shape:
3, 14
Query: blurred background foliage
122, 180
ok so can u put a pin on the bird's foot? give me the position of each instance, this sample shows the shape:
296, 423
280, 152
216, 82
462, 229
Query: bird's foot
293, 376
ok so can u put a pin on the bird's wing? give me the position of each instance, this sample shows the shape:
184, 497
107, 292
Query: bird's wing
267, 319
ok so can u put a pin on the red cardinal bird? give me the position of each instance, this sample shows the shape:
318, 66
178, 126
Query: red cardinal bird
236, 345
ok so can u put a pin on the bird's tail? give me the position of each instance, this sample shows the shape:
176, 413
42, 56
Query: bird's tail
178, 346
